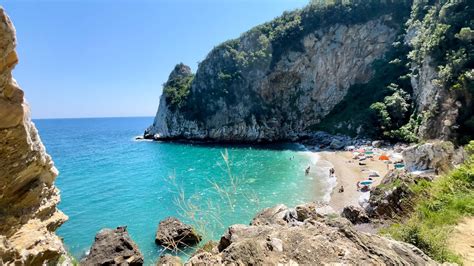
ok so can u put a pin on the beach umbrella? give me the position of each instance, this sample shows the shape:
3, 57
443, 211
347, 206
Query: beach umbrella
384, 157
366, 182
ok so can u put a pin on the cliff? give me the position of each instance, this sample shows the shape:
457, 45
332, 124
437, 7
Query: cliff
278, 80
441, 36
399, 71
28, 197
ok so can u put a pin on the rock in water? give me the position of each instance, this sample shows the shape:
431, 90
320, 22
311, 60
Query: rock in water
28, 197
113, 247
312, 242
172, 233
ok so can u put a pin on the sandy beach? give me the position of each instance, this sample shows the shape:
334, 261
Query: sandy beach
348, 172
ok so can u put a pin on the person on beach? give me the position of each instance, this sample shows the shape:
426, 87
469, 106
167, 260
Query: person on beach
306, 172
341, 189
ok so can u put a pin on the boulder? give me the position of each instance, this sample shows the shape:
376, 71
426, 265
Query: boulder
279, 214
355, 215
337, 144
113, 247
377, 143
393, 196
172, 233
438, 155
169, 260
312, 242
306, 211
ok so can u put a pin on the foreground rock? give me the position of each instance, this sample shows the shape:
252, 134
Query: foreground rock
169, 260
113, 247
279, 214
393, 197
355, 215
313, 241
28, 197
172, 233
438, 155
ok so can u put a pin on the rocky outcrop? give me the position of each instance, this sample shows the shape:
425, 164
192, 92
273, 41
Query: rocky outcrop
250, 89
279, 214
315, 241
393, 197
437, 155
355, 214
172, 233
169, 260
28, 197
113, 247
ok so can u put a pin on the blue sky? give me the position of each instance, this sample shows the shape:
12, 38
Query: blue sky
107, 58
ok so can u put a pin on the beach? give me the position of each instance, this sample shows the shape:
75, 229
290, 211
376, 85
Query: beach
347, 173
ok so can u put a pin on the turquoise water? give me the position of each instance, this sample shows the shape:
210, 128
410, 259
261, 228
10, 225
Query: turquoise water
108, 179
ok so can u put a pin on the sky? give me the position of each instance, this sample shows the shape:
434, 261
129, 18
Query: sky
109, 58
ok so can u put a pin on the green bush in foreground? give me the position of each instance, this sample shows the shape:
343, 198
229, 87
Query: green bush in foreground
438, 207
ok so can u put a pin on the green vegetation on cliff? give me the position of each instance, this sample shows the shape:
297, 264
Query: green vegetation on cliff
178, 89
238, 57
442, 30
438, 206
178, 86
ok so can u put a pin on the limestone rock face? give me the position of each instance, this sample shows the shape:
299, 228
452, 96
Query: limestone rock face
28, 197
312, 242
434, 99
439, 155
280, 100
173, 233
114, 247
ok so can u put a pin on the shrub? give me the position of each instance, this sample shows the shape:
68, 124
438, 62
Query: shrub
438, 207
177, 90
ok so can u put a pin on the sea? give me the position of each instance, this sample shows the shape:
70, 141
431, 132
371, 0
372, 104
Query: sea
107, 178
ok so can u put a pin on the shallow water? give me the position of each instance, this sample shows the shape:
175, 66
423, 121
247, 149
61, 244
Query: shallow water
108, 179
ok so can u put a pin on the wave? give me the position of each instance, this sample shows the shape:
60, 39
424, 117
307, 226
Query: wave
325, 182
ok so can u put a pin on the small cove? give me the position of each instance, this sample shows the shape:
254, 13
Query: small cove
108, 179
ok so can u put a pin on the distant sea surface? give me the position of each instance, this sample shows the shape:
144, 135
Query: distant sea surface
108, 179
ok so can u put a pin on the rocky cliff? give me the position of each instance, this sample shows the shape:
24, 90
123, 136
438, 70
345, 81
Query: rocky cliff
277, 81
28, 197
397, 71
441, 36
